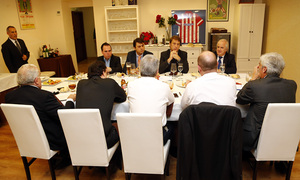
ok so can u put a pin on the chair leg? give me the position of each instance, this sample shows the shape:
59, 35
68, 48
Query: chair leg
289, 170
255, 170
26, 166
127, 176
167, 166
76, 172
107, 173
51, 169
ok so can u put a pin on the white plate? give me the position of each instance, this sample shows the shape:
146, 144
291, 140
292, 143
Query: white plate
44, 78
180, 83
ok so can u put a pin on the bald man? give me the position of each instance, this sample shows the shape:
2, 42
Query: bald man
211, 86
224, 57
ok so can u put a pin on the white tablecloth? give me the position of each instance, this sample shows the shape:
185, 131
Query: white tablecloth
7, 81
177, 88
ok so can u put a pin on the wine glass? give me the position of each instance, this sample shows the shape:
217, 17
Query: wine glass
180, 67
222, 68
72, 86
173, 68
128, 66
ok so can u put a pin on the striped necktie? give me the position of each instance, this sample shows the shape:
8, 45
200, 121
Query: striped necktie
18, 46
219, 62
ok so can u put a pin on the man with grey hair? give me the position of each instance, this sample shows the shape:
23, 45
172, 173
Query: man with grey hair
265, 87
211, 86
223, 57
14, 50
46, 106
149, 95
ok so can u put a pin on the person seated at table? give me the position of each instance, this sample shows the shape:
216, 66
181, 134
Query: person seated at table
224, 57
173, 55
137, 54
112, 62
211, 86
46, 105
265, 87
101, 92
149, 95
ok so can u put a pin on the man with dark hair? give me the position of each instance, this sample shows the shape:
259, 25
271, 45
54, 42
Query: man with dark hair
46, 106
173, 55
14, 50
113, 63
211, 86
265, 87
137, 54
101, 92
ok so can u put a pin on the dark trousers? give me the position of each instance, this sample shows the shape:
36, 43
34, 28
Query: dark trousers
112, 138
168, 131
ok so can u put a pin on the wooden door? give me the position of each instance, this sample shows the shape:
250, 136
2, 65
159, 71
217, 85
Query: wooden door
79, 38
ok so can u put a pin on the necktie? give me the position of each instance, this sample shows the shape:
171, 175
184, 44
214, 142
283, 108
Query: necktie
18, 46
139, 60
219, 62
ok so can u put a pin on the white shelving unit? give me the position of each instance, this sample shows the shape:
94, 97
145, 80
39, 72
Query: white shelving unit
250, 35
122, 27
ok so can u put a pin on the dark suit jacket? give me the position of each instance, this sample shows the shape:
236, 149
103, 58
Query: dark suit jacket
46, 106
259, 93
100, 93
165, 67
115, 63
12, 56
210, 143
230, 65
131, 57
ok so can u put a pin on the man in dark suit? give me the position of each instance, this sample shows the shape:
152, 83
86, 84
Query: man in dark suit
224, 57
45, 104
173, 55
101, 92
14, 51
265, 87
113, 63
137, 54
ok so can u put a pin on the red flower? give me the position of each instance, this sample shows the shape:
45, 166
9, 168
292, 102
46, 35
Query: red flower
158, 17
175, 16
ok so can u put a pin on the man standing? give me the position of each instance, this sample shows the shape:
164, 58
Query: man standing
14, 50
211, 86
173, 55
149, 95
137, 54
113, 63
46, 105
101, 92
224, 57
265, 87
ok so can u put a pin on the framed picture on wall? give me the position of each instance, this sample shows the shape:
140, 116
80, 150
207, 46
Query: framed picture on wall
217, 10
190, 26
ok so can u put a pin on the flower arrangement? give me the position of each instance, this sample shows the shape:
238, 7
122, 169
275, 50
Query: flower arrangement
146, 36
161, 22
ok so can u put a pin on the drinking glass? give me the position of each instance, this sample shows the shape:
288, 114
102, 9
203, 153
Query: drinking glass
173, 68
222, 68
128, 66
72, 86
180, 67
132, 70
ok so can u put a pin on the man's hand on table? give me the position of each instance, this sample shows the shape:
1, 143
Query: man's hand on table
72, 96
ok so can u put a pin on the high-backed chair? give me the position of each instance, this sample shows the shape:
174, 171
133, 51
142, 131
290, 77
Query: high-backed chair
210, 143
29, 135
142, 146
279, 135
86, 139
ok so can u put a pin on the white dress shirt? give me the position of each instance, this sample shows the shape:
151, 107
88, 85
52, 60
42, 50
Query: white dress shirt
211, 87
149, 95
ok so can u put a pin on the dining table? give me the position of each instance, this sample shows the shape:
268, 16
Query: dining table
176, 83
